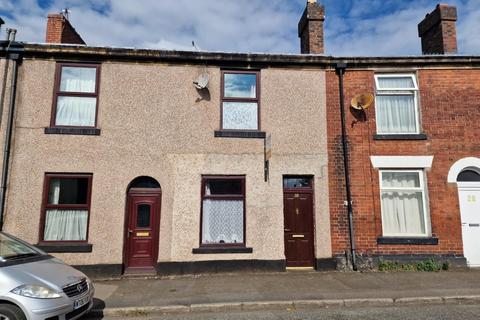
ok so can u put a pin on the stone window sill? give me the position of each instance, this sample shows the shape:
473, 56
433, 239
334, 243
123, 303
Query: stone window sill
73, 131
64, 247
206, 250
419, 136
240, 134
408, 240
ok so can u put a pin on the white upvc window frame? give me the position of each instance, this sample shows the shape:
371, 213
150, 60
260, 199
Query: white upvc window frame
422, 188
399, 91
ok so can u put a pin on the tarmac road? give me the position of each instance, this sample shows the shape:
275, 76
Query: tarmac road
416, 312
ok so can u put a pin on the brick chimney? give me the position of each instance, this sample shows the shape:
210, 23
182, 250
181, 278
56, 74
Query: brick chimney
310, 28
59, 30
438, 30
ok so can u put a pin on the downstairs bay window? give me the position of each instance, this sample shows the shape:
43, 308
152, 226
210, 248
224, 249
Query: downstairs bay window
223, 211
404, 203
66, 208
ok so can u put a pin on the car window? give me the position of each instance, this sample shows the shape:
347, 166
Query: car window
11, 249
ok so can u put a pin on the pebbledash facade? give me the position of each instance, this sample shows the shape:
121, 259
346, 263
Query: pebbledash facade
119, 163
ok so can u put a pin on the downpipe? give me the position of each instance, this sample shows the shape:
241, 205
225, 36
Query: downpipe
16, 59
5, 74
340, 71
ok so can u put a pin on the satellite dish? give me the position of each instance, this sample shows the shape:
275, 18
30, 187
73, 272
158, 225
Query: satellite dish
362, 101
202, 81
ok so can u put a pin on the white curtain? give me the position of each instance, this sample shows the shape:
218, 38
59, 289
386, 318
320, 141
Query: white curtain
76, 79
396, 114
240, 115
64, 225
76, 111
222, 221
402, 210
54, 191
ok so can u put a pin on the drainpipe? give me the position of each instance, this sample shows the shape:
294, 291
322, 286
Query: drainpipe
16, 58
4, 80
340, 71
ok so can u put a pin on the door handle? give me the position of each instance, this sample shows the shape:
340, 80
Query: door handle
287, 230
130, 232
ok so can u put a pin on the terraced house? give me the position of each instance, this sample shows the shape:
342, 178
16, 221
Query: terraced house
128, 161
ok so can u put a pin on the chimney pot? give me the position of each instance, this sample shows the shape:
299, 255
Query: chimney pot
438, 30
310, 28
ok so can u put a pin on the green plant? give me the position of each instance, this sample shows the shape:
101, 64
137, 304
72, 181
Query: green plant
388, 266
429, 265
445, 266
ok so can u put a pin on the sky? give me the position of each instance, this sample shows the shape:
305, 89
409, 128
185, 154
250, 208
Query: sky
352, 27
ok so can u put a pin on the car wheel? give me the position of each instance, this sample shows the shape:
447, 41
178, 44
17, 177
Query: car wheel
11, 312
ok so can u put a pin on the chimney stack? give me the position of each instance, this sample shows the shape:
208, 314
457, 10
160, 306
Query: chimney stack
438, 30
59, 30
310, 28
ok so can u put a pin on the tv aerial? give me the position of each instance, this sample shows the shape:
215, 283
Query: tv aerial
202, 80
362, 101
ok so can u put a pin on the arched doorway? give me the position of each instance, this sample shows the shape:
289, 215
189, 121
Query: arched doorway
142, 224
467, 173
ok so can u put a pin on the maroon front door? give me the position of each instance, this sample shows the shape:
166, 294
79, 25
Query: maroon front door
143, 221
298, 214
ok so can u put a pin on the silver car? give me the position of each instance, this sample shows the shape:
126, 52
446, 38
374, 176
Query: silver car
35, 285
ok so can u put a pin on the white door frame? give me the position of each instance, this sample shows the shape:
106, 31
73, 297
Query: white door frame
469, 163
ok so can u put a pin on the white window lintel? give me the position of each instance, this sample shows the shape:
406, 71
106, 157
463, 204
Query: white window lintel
400, 162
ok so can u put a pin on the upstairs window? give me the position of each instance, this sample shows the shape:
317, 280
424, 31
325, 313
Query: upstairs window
76, 95
66, 207
396, 104
223, 211
240, 100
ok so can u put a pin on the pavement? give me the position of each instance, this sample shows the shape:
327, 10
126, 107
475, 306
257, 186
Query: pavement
282, 291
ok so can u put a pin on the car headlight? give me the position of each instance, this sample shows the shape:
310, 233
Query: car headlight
34, 291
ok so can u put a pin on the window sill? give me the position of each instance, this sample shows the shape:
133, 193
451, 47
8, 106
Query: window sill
240, 134
65, 247
73, 131
206, 250
419, 136
408, 240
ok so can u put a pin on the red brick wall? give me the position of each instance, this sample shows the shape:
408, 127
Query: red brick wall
449, 106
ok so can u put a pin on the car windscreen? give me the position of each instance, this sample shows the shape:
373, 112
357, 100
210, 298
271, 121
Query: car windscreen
12, 249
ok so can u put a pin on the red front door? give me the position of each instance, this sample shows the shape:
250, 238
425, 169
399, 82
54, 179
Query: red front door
143, 215
298, 214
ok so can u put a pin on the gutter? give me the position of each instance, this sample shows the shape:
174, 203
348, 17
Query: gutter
340, 71
16, 58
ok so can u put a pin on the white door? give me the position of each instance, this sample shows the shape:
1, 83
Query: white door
469, 196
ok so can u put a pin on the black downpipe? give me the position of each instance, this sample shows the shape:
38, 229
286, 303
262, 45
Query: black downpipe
340, 71
15, 57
